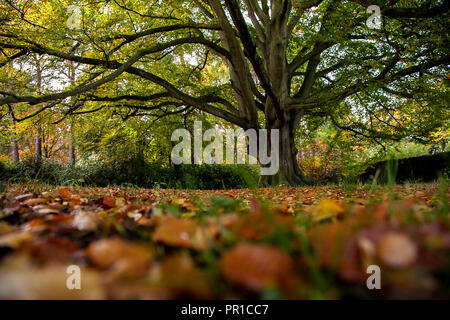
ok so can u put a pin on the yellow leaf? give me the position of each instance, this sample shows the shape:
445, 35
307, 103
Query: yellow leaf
326, 209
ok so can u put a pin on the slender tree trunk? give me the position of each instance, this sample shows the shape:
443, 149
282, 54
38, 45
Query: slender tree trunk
15, 149
38, 138
72, 158
15, 145
38, 147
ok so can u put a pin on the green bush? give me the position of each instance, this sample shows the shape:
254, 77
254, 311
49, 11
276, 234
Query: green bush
131, 173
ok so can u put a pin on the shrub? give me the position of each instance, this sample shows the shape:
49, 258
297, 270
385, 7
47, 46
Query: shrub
132, 173
318, 162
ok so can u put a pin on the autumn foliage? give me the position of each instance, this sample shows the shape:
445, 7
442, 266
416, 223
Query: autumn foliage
318, 161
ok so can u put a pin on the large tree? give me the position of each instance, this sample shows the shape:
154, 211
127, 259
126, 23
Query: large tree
285, 60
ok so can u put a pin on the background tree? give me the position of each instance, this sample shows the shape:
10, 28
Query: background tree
286, 61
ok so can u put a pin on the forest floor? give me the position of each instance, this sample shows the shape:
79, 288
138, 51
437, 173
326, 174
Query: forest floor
275, 243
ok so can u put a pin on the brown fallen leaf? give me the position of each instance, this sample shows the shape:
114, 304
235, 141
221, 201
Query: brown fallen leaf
65, 194
327, 240
255, 267
179, 275
15, 239
106, 202
256, 225
119, 257
181, 233
36, 225
19, 280
51, 249
6, 228
397, 250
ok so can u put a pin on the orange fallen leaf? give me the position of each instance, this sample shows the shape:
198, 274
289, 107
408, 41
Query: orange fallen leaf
255, 267
181, 233
119, 256
106, 202
64, 193
254, 226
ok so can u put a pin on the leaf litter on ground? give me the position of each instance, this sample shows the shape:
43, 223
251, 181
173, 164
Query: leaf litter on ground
293, 243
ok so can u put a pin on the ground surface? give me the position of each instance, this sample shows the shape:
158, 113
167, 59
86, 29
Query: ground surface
299, 243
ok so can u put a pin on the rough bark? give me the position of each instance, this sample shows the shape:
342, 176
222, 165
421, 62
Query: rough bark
289, 172
278, 71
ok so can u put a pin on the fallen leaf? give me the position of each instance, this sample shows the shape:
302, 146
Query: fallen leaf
51, 249
181, 233
19, 280
34, 202
15, 239
255, 267
119, 257
43, 210
6, 228
106, 202
24, 197
326, 209
179, 274
397, 250
85, 221
64, 193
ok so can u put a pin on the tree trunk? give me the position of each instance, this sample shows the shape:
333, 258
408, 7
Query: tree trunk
289, 172
15, 145
38, 148
72, 158
277, 67
38, 138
